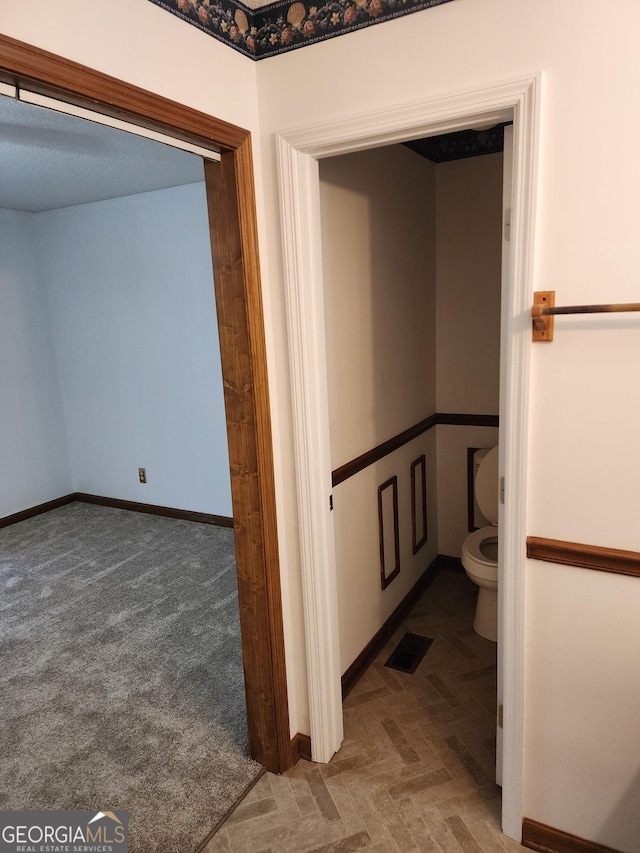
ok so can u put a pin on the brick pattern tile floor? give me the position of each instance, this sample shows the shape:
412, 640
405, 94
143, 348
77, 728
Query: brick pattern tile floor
416, 771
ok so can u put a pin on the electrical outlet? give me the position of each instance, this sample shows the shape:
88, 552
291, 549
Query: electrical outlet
142, 475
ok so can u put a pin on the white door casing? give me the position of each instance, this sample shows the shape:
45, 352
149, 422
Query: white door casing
506, 284
298, 153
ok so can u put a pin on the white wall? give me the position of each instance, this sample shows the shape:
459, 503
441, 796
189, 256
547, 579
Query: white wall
34, 456
581, 397
130, 286
468, 270
142, 44
468, 266
378, 227
363, 606
583, 664
586, 248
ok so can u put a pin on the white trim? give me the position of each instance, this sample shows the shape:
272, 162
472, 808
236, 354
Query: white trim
305, 315
506, 285
298, 151
8, 90
514, 414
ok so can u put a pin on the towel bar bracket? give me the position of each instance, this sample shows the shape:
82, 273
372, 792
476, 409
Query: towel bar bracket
544, 309
542, 323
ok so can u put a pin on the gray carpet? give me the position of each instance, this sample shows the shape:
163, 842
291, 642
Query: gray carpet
120, 672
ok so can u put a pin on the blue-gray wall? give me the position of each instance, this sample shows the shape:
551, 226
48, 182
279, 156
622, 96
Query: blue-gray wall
129, 286
34, 454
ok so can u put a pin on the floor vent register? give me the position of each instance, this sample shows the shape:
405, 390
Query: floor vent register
409, 652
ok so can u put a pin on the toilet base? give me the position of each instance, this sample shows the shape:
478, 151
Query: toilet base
485, 621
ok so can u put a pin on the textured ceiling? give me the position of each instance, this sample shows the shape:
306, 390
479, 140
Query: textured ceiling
50, 160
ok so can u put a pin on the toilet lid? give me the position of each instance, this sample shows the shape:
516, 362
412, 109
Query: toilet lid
487, 486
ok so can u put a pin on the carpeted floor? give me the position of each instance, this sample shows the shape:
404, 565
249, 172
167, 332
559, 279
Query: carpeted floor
121, 680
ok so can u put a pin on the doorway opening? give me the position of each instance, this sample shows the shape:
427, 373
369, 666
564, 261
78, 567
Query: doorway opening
111, 357
412, 269
233, 236
299, 152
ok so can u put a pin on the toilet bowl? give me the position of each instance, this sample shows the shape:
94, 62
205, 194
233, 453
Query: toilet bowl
480, 549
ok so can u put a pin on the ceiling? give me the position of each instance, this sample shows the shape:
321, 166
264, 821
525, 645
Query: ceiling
50, 160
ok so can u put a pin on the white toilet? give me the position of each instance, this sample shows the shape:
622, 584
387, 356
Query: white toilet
480, 549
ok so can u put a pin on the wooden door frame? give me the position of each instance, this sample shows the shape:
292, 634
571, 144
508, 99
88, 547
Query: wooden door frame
234, 246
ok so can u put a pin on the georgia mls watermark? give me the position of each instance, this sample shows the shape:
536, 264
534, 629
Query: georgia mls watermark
63, 832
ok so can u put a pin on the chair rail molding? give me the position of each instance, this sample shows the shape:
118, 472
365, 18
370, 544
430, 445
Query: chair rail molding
298, 151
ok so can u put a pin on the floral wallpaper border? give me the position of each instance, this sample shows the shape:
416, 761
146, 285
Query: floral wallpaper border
286, 25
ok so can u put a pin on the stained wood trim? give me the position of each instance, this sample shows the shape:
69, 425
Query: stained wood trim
36, 510
376, 453
546, 839
48, 74
343, 472
153, 509
584, 556
421, 483
471, 508
454, 419
300, 748
234, 244
378, 641
385, 579
135, 506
